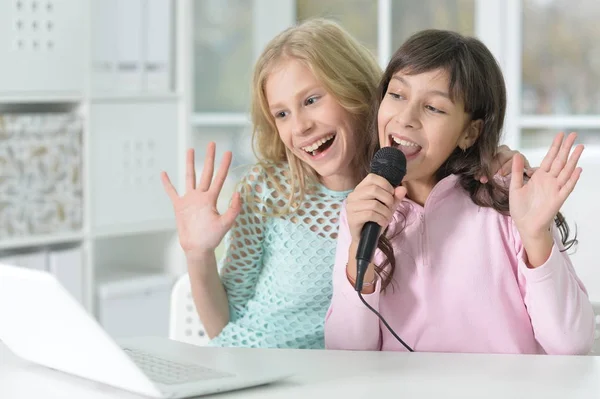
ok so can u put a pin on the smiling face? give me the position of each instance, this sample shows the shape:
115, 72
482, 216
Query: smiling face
418, 116
312, 124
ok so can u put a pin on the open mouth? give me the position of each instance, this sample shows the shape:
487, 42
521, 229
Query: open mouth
409, 148
320, 146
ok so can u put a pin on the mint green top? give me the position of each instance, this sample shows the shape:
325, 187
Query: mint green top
277, 270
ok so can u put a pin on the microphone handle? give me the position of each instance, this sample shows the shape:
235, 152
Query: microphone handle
366, 249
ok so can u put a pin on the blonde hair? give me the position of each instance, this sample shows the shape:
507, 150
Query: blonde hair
346, 69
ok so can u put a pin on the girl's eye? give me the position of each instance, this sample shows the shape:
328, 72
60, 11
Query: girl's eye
433, 109
280, 115
311, 100
396, 96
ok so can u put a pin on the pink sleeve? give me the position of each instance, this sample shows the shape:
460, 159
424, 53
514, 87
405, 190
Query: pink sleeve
557, 302
349, 324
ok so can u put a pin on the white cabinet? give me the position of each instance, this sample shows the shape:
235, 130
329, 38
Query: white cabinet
131, 144
43, 46
132, 304
92, 185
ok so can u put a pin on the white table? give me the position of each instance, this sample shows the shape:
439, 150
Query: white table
324, 374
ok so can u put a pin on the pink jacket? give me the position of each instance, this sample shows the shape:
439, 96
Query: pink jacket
461, 285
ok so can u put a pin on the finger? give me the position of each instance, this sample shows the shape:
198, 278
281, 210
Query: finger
208, 169
495, 166
567, 189
503, 156
551, 154
567, 171
372, 208
367, 193
400, 193
516, 179
507, 167
370, 205
529, 172
221, 175
233, 211
367, 216
563, 155
168, 186
373, 179
190, 170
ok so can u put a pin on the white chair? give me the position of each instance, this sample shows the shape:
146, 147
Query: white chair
184, 323
596, 348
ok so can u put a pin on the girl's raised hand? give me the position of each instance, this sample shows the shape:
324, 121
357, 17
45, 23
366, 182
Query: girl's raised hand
199, 224
534, 205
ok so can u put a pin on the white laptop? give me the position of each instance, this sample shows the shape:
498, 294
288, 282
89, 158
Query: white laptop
42, 323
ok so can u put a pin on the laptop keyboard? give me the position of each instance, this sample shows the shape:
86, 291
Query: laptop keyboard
170, 372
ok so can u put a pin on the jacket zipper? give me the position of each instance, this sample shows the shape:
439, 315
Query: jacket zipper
424, 254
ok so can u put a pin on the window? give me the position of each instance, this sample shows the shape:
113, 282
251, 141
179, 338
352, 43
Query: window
384, 25
409, 16
561, 57
222, 55
560, 67
359, 17
227, 37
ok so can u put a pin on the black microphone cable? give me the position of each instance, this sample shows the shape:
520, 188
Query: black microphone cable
385, 323
389, 163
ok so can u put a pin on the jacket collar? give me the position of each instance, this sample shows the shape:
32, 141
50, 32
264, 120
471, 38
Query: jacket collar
440, 191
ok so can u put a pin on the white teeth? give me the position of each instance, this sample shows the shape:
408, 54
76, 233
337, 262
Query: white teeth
317, 144
404, 143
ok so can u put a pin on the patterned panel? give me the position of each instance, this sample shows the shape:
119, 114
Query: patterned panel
40, 174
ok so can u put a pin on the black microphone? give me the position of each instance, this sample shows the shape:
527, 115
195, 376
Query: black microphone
389, 163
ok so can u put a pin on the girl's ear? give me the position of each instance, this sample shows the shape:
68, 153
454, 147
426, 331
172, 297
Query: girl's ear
471, 134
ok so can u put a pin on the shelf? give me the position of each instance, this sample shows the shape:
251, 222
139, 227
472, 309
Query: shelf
58, 98
134, 97
40, 98
35, 241
133, 229
573, 122
122, 283
220, 119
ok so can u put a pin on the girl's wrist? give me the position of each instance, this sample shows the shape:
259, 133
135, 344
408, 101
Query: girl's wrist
538, 248
201, 265
199, 255
365, 283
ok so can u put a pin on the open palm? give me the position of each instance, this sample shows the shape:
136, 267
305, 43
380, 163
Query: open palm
199, 224
534, 205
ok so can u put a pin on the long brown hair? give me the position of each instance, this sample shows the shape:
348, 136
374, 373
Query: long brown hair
476, 79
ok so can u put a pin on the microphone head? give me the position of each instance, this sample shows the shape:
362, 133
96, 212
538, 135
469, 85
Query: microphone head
389, 163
